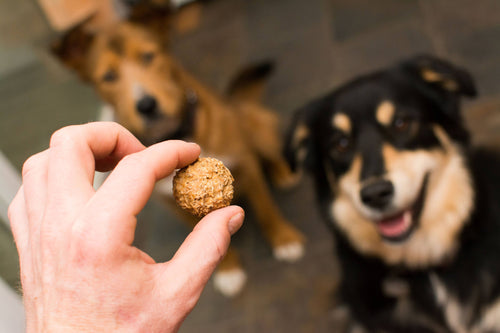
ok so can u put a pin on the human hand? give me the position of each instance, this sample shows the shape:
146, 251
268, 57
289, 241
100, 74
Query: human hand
79, 270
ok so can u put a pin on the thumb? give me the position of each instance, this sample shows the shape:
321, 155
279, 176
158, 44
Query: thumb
203, 249
207, 244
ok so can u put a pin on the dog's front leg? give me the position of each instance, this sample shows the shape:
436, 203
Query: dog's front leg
286, 241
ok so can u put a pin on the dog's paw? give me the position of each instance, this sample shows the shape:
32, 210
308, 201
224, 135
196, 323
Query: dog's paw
289, 252
284, 178
286, 182
230, 282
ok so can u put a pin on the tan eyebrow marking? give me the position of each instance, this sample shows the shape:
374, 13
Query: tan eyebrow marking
431, 76
341, 121
385, 112
301, 133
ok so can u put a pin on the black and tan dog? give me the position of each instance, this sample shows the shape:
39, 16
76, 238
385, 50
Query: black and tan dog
156, 99
415, 210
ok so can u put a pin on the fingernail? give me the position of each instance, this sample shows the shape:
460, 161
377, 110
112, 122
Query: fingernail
235, 223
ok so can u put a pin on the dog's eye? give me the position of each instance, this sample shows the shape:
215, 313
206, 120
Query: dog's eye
110, 76
341, 144
401, 123
147, 57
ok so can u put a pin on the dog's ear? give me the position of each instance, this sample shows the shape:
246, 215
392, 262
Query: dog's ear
444, 83
299, 148
152, 15
249, 83
441, 75
162, 17
72, 49
187, 18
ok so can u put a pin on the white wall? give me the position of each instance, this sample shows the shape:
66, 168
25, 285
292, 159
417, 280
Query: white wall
9, 184
11, 307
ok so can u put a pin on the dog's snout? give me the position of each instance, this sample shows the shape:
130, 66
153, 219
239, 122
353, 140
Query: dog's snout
378, 194
147, 105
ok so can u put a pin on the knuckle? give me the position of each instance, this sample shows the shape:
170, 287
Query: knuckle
115, 126
63, 135
31, 164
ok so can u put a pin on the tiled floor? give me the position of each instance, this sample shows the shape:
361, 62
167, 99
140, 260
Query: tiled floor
316, 45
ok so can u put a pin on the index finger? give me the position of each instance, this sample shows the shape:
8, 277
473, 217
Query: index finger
110, 214
77, 151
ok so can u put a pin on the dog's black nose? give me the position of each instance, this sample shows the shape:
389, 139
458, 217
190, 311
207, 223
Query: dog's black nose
146, 105
377, 195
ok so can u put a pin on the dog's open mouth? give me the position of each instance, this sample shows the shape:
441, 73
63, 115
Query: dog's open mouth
399, 227
396, 227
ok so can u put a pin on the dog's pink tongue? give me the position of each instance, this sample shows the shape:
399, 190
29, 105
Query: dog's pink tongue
395, 226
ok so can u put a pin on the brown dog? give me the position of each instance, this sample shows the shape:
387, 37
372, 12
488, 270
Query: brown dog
156, 99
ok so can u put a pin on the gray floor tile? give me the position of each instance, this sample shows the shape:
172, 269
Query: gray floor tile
351, 18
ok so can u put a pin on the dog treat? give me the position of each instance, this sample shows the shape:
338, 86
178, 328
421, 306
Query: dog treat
203, 186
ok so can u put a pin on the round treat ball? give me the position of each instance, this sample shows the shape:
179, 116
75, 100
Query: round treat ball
203, 186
